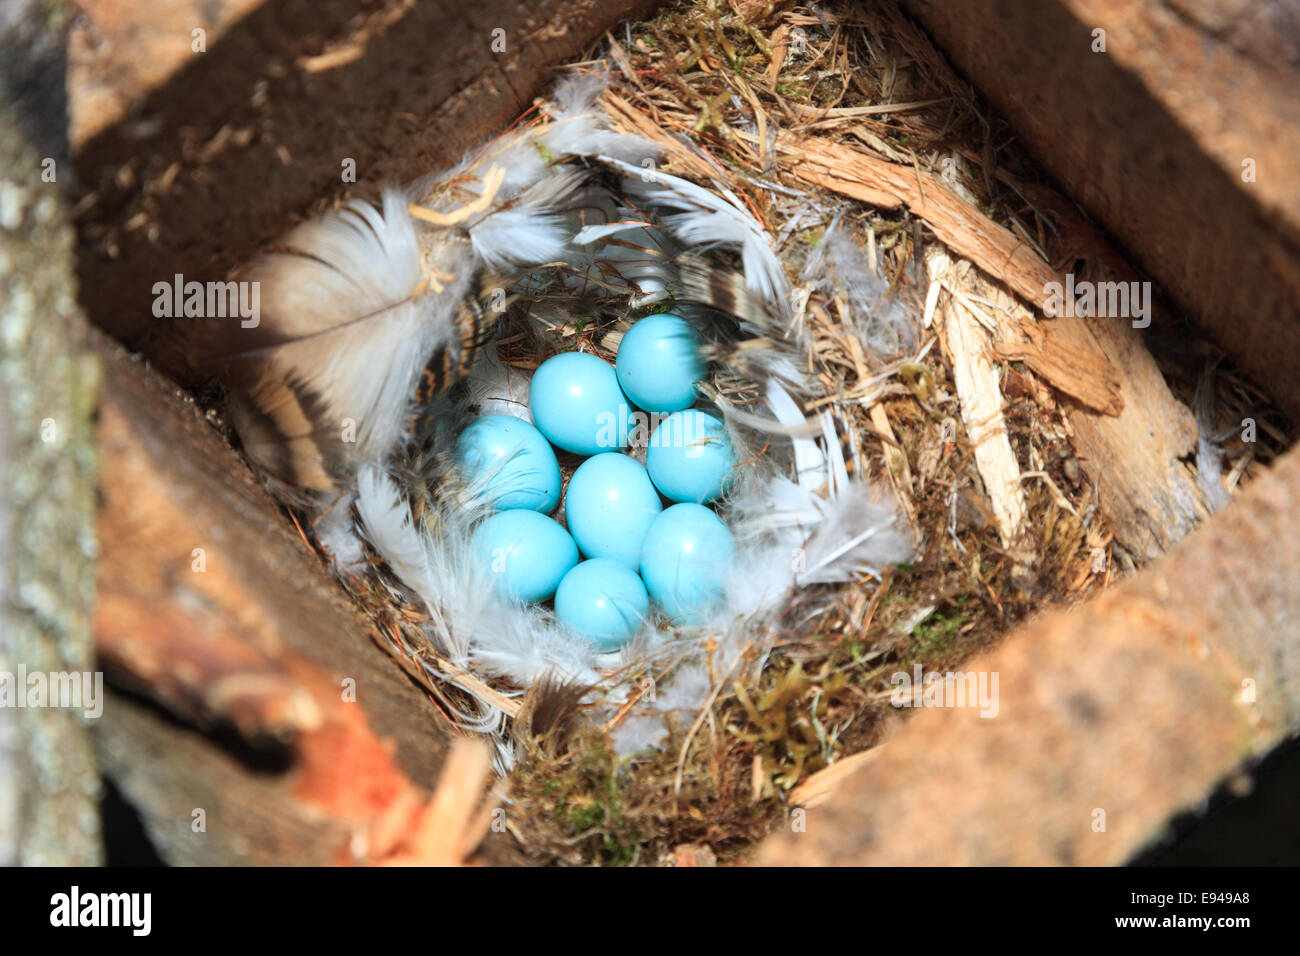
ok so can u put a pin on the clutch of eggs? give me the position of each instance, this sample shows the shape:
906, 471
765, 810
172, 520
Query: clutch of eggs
636, 550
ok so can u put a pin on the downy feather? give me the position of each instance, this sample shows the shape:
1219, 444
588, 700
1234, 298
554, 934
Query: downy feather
839, 265
339, 298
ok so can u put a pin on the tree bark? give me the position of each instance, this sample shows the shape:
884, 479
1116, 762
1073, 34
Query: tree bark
49, 784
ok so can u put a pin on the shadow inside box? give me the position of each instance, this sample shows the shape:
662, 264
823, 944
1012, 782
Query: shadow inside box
225, 202
126, 842
1259, 828
245, 139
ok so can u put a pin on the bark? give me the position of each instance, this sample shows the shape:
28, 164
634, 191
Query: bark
49, 784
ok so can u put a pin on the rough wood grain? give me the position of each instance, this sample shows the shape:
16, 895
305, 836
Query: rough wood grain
980, 395
240, 141
1111, 718
213, 609
49, 785
1154, 137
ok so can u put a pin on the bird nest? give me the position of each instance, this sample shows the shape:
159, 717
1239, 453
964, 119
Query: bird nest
865, 169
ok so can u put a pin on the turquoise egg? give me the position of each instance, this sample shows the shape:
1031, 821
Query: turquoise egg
527, 553
608, 507
515, 463
577, 404
659, 363
602, 600
685, 560
690, 457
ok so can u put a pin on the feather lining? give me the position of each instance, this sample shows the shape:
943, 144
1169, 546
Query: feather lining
699, 219
839, 265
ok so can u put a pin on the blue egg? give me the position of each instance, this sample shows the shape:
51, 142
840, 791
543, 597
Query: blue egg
512, 460
685, 560
577, 404
659, 363
690, 457
603, 600
527, 553
608, 507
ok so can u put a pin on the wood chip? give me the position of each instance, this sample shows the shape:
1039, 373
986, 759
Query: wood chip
458, 816
780, 43
823, 783
900, 473
981, 404
694, 854
1062, 356
332, 59
1076, 370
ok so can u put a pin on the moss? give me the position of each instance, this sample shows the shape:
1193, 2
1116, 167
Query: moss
939, 632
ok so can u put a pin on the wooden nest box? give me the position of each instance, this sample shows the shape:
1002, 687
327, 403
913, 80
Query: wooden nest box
254, 697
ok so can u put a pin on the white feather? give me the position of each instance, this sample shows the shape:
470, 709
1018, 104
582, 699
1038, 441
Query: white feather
338, 536
810, 463
624, 255
531, 229
578, 127
343, 292
795, 537
386, 519
859, 533
799, 427
519, 237
837, 470
590, 234
682, 695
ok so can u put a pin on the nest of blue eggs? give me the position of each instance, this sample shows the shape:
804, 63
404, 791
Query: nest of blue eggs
602, 492
628, 529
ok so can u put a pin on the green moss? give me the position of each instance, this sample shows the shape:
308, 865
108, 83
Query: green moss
939, 632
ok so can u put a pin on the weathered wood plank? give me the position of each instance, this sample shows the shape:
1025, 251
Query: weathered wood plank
1110, 719
1181, 138
241, 140
213, 608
